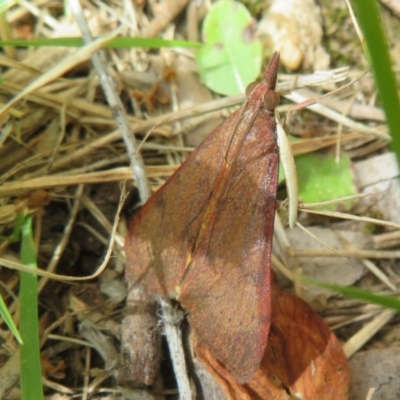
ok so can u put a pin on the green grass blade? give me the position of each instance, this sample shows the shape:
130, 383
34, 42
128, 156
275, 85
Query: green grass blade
357, 293
120, 42
31, 371
369, 18
5, 314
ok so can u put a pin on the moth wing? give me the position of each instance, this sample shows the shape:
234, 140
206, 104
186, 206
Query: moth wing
162, 234
232, 264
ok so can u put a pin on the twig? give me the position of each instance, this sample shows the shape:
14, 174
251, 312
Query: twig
172, 332
362, 336
335, 214
119, 113
388, 254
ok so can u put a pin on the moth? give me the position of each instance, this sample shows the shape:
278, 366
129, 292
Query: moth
205, 237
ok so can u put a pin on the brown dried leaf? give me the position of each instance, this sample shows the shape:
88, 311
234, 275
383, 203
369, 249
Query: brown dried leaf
303, 358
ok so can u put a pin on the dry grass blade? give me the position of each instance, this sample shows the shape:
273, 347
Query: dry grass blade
370, 394
346, 253
71, 61
368, 331
353, 217
112, 175
339, 253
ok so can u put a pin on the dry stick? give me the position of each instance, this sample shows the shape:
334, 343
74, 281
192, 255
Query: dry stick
361, 318
63, 390
115, 103
171, 321
379, 274
336, 214
173, 334
338, 252
370, 393
387, 254
307, 206
362, 336
388, 239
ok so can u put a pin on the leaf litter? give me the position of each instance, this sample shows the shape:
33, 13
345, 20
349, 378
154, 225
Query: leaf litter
62, 139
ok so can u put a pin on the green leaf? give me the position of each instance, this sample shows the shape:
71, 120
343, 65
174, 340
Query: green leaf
321, 178
357, 293
120, 42
31, 371
231, 57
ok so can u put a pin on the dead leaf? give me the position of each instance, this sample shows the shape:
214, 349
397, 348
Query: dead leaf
303, 359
